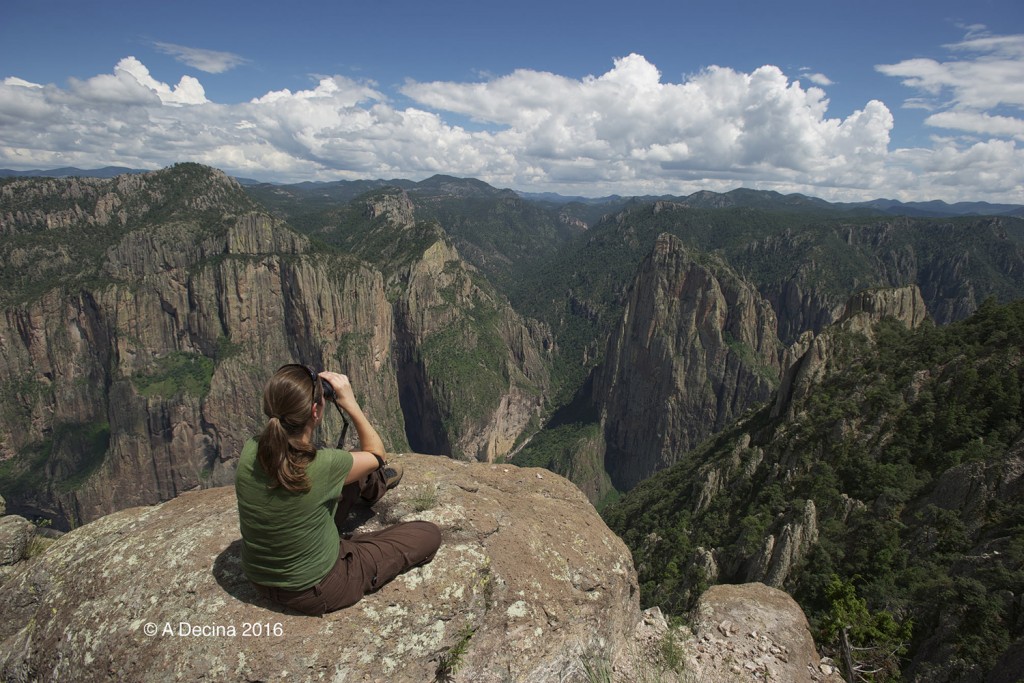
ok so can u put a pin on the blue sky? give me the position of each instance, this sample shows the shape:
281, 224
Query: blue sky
910, 100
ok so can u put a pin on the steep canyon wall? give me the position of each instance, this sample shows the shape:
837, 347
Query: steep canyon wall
133, 370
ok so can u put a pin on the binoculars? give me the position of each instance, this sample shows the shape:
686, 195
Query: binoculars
328, 389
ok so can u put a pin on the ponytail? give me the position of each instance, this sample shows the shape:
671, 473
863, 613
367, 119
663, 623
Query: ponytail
281, 451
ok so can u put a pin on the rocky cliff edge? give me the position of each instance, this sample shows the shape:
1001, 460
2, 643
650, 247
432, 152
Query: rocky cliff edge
529, 585
528, 580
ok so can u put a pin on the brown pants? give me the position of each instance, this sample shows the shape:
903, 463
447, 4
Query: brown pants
366, 561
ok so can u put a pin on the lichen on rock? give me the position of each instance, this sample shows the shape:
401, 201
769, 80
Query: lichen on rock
528, 579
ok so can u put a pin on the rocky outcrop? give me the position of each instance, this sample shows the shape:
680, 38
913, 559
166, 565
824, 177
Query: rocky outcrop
775, 562
752, 632
811, 358
392, 205
528, 579
529, 585
695, 348
902, 304
15, 533
781, 548
16, 541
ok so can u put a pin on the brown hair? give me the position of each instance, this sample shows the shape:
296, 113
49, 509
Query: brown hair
287, 400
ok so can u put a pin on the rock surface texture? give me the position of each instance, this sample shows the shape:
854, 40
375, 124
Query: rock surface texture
528, 579
751, 632
15, 533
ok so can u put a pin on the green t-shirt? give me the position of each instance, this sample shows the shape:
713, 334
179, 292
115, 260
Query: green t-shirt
289, 539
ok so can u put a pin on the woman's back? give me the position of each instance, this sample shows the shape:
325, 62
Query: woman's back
289, 539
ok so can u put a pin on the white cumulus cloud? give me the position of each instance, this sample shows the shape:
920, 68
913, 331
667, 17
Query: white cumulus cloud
14, 80
817, 78
131, 83
626, 131
978, 122
990, 73
978, 92
631, 126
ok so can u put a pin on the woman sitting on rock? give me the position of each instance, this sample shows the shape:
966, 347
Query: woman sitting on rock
288, 502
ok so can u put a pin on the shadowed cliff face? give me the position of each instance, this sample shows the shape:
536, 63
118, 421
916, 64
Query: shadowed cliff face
696, 346
474, 374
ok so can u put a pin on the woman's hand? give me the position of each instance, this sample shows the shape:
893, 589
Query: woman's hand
344, 396
369, 440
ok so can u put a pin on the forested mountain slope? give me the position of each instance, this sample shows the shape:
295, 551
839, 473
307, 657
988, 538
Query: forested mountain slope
806, 264
495, 230
889, 470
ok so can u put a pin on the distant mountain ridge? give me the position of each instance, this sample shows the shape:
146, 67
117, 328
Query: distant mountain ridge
939, 208
70, 171
440, 184
767, 199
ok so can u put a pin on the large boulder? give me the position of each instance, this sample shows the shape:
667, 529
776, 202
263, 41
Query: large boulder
752, 632
15, 534
528, 581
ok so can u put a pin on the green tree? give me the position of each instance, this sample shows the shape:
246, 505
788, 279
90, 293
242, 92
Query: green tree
872, 642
